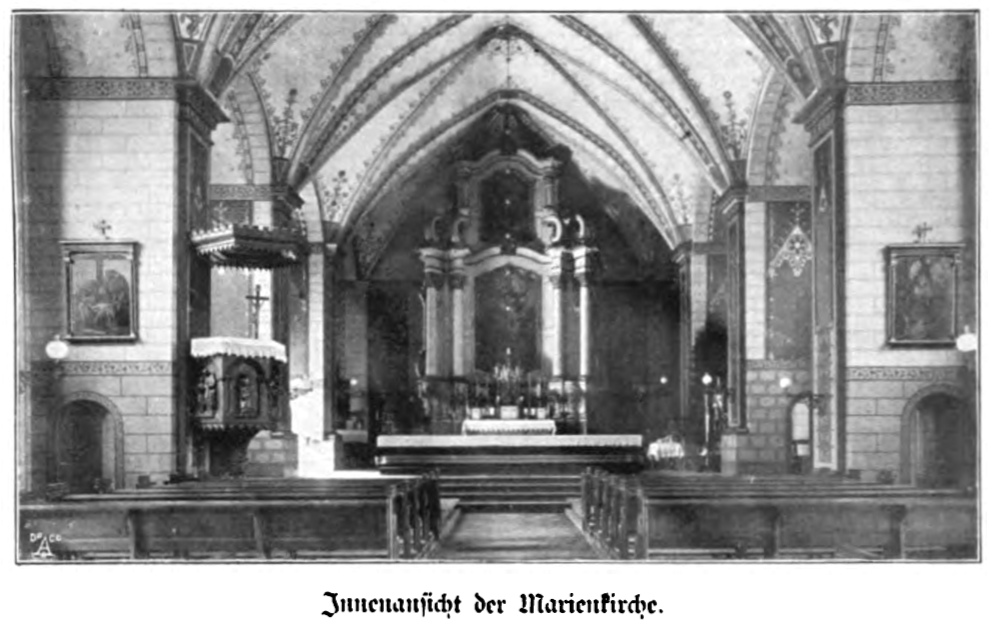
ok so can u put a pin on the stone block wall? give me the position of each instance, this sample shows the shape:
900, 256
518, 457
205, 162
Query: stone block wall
762, 447
272, 456
879, 400
906, 165
112, 161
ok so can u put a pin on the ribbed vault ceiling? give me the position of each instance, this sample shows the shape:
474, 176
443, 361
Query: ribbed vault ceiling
656, 105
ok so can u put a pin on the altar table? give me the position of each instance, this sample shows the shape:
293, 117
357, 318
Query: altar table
508, 427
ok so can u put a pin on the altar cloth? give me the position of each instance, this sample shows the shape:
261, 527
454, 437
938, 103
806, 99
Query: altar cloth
508, 427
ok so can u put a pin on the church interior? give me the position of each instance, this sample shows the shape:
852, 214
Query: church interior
496, 286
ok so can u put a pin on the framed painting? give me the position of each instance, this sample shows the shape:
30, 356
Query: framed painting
101, 287
923, 284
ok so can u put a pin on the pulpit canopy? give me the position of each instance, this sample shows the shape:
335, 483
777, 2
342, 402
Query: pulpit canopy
250, 246
204, 347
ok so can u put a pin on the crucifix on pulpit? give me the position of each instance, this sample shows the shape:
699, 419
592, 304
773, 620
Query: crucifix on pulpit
254, 307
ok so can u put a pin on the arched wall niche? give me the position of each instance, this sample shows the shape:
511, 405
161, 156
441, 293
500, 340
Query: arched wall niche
111, 433
912, 457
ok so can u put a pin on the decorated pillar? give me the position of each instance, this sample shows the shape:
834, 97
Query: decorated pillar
456, 284
822, 118
733, 207
553, 339
198, 115
583, 258
683, 259
434, 284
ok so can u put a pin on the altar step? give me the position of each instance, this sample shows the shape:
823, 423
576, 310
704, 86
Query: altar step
518, 493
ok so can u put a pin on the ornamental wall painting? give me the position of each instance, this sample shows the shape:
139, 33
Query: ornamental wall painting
922, 294
101, 294
825, 219
717, 293
789, 252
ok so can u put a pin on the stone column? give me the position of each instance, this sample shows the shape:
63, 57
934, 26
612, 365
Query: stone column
683, 259
320, 312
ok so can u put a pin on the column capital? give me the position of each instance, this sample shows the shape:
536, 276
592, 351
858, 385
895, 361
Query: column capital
820, 113
433, 259
683, 253
731, 200
456, 280
434, 280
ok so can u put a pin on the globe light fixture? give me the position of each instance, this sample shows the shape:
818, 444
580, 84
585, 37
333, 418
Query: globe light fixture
56, 349
707, 379
967, 341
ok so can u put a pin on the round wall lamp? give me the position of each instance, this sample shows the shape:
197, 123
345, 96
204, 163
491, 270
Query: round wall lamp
56, 349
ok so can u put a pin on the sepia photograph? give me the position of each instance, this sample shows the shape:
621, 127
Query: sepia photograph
495, 287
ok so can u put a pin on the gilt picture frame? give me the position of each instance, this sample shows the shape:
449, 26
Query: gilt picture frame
923, 284
101, 291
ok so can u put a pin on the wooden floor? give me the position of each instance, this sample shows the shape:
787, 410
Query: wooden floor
513, 536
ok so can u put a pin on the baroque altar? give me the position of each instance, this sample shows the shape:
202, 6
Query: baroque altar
506, 299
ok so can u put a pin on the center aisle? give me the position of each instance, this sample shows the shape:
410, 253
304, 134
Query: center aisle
506, 536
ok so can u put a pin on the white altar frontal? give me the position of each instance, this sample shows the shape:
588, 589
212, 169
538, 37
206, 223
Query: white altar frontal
508, 427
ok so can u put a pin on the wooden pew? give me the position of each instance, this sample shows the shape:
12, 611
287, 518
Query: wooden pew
770, 518
389, 518
420, 506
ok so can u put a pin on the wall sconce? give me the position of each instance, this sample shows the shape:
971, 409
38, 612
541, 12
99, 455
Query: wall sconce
814, 400
57, 350
967, 341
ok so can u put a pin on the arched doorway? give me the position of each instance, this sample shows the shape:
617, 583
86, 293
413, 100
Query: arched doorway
940, 442
84, 447
799, 454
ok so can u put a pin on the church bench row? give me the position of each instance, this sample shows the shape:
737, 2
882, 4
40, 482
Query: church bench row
423, 508
628, 519
377, 521
422, 490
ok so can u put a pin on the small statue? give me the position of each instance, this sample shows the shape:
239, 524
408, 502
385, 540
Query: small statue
207, 393
246, 399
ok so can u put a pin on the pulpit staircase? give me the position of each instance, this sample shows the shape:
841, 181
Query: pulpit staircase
511, 492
